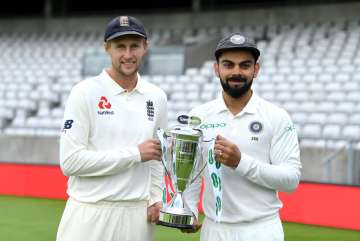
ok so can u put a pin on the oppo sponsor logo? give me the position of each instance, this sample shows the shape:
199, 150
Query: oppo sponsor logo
212, 125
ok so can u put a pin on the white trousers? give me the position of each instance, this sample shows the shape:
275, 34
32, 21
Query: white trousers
105, 221
264, 230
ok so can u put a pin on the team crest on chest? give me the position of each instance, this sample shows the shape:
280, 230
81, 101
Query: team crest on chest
150, 110
256, 127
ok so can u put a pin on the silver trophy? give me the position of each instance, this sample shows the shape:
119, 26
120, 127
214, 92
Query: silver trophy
181, 147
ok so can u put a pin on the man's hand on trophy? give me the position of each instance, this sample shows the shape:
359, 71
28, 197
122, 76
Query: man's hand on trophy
227, 152
150, 150
196, 227
153, 212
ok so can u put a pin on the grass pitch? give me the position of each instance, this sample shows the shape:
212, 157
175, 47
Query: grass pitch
31, 219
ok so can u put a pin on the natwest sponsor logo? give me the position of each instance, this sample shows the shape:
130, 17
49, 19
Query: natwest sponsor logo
104, 106
104, 103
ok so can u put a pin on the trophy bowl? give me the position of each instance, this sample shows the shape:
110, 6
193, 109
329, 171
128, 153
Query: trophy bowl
181, 148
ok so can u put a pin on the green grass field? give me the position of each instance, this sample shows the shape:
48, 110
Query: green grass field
30, 219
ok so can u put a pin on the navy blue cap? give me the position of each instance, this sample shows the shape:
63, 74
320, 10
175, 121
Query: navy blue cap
237, 41
124, 25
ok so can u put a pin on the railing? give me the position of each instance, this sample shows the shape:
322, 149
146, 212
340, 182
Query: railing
352, 165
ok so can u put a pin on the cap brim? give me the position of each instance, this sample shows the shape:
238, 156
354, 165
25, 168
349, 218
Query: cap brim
119, 34
254, 50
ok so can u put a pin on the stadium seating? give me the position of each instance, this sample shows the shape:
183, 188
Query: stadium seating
312, 70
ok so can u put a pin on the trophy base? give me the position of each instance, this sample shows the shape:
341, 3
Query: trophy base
180, 221
172, 225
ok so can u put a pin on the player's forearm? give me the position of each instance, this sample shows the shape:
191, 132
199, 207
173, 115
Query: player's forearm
157, 183
82, 162
156, 193
282, 177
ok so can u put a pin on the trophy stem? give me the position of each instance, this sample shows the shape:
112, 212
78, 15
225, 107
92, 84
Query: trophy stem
175, 215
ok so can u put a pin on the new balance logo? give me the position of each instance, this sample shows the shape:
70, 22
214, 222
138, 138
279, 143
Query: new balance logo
67, 125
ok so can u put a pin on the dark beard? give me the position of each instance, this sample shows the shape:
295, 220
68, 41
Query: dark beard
234, 92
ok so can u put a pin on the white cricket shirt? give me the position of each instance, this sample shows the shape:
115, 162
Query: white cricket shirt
270, 160
103, 125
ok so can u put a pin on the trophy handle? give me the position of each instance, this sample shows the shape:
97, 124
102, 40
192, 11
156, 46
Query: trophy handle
198, 157
161, 134
197, 175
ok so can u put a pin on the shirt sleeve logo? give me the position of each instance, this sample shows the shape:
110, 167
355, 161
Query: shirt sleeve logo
290, 127
256, 127
150, 110
67, 125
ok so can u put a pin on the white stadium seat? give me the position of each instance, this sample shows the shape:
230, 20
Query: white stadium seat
351, 132
331, 131
311, 131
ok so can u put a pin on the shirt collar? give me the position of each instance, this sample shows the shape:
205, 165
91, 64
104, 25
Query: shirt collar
220, 105
251, 106
115, 88
140, 86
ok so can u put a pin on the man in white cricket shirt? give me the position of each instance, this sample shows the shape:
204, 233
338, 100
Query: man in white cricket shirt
255, 152
107, 146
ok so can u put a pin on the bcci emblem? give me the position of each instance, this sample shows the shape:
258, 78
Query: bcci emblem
237, 39
150, 110
256, 127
